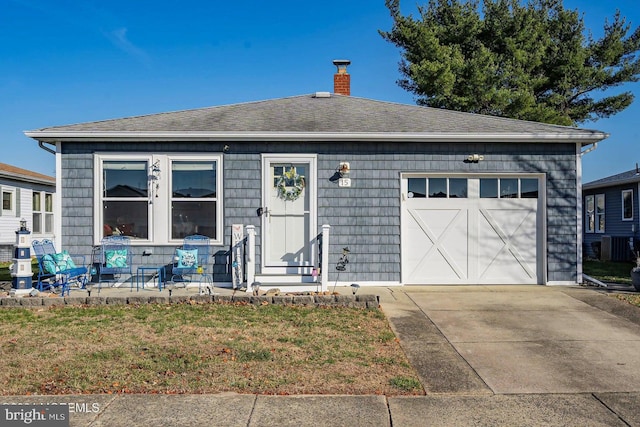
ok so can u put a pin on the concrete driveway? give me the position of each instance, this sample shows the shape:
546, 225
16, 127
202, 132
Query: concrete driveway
533, 349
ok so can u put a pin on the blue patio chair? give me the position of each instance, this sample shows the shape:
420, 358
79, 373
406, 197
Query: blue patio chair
59, 269
191, 260
115, 259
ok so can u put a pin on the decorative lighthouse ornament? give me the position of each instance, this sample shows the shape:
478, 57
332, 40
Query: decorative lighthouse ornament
21, 282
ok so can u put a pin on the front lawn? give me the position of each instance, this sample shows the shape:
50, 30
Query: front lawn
608, 271
202, 348
5, 273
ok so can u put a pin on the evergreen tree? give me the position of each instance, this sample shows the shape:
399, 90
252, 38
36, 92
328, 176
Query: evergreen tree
531, 61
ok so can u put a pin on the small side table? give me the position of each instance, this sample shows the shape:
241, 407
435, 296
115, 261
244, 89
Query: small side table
157, 272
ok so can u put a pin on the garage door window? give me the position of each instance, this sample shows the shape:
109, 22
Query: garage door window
528, 188
437, 188
417, 187
508, 188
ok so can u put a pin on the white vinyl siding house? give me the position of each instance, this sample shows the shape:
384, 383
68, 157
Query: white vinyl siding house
25, 195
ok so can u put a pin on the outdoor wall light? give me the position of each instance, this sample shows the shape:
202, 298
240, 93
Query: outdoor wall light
344, 168
475, 158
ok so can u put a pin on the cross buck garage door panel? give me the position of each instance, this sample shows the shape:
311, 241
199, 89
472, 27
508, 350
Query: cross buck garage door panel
468, 230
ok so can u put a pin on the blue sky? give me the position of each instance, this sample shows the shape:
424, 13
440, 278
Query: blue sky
72, 61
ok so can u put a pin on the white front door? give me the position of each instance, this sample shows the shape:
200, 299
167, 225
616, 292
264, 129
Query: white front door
289, 214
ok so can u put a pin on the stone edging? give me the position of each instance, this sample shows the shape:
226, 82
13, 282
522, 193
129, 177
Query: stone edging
357, 301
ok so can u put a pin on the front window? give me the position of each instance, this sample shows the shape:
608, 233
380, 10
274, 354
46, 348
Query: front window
159, 198
125, 199
193, 198
627, 205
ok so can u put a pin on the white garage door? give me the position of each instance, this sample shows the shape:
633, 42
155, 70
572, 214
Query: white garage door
472, 230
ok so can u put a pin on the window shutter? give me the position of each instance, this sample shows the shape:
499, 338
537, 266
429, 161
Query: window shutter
18, 192
0, 200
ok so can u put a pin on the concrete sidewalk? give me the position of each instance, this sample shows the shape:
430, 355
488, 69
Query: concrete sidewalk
486, 356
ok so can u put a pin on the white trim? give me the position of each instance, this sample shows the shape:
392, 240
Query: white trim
13, 200
587, 223
622, 204
579, 212
596, 223
562, 283
586, 137
365, 284
43, 213
159, 212
315, 286
541, 215
312, 187
57, 201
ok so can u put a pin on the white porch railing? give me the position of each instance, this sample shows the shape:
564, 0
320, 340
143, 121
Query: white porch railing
251, 256
322, 256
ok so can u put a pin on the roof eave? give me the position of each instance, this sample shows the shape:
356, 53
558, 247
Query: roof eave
26, 178
52, 136
627, 181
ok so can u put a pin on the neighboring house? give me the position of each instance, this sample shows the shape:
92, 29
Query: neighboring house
431, 196
611, 224
25, 195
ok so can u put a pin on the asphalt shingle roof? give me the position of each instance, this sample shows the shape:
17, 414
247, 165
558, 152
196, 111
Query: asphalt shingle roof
622, 178
318, 114
16, 173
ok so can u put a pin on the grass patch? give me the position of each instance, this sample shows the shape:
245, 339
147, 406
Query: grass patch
609, 271
203, 348
405, 383
5, 273
633, 299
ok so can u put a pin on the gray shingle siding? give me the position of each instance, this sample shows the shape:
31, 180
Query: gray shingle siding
365, 217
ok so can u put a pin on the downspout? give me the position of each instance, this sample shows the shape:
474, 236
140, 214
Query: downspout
57, 228
41, 145
590, 149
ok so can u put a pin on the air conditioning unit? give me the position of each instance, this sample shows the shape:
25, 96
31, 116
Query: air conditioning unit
605, 248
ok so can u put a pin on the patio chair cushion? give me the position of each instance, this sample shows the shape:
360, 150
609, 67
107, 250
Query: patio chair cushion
58, 262
116, 258
187, 258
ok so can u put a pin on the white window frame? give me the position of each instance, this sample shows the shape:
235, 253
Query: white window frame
630, 191
37, 225
595, 215
44, 213
12, 210
49, 214
589, 215
600, 215
159, 194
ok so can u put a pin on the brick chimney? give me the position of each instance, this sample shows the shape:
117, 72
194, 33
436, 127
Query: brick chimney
342, 79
